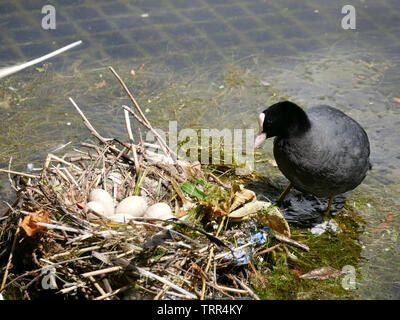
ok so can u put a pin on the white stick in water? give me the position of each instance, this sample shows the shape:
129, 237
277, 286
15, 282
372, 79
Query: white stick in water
10, 70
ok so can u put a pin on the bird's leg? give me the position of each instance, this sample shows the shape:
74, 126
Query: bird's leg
328, 211
284, 193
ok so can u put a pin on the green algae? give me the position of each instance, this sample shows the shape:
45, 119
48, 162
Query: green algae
283, 267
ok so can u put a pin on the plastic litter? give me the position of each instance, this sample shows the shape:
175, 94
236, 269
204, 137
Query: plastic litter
321, 228
258, 235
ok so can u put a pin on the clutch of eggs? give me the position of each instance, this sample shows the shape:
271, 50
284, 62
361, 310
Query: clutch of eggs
101, 203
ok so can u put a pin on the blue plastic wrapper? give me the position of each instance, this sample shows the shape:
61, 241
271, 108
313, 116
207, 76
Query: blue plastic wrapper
258, 235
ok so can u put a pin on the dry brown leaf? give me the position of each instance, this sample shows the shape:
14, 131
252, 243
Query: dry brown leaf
100, 84
29, 222
275, 220
249, 209
270, 217
385, 223
235, 188
396, 99
240, 197
192, 169
322, 273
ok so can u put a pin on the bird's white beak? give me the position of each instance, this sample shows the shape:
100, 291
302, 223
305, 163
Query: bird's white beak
260, 138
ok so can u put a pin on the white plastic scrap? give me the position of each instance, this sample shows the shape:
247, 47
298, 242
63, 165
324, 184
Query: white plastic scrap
330, 225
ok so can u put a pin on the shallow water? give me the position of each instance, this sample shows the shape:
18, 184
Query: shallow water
213, 64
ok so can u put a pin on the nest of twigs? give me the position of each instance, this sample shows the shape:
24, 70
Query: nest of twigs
49, 246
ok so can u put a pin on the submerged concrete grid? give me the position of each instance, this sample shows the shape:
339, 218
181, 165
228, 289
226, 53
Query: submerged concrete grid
185, 30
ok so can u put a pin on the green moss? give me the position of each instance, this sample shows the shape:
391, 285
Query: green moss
282, 267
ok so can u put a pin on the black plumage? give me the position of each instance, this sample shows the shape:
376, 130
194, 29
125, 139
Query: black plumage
320, 150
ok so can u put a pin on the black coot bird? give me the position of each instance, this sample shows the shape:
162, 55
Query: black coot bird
320, 150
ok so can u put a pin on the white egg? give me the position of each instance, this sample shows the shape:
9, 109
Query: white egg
159, 210
94, 206
104, 198
134, 205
